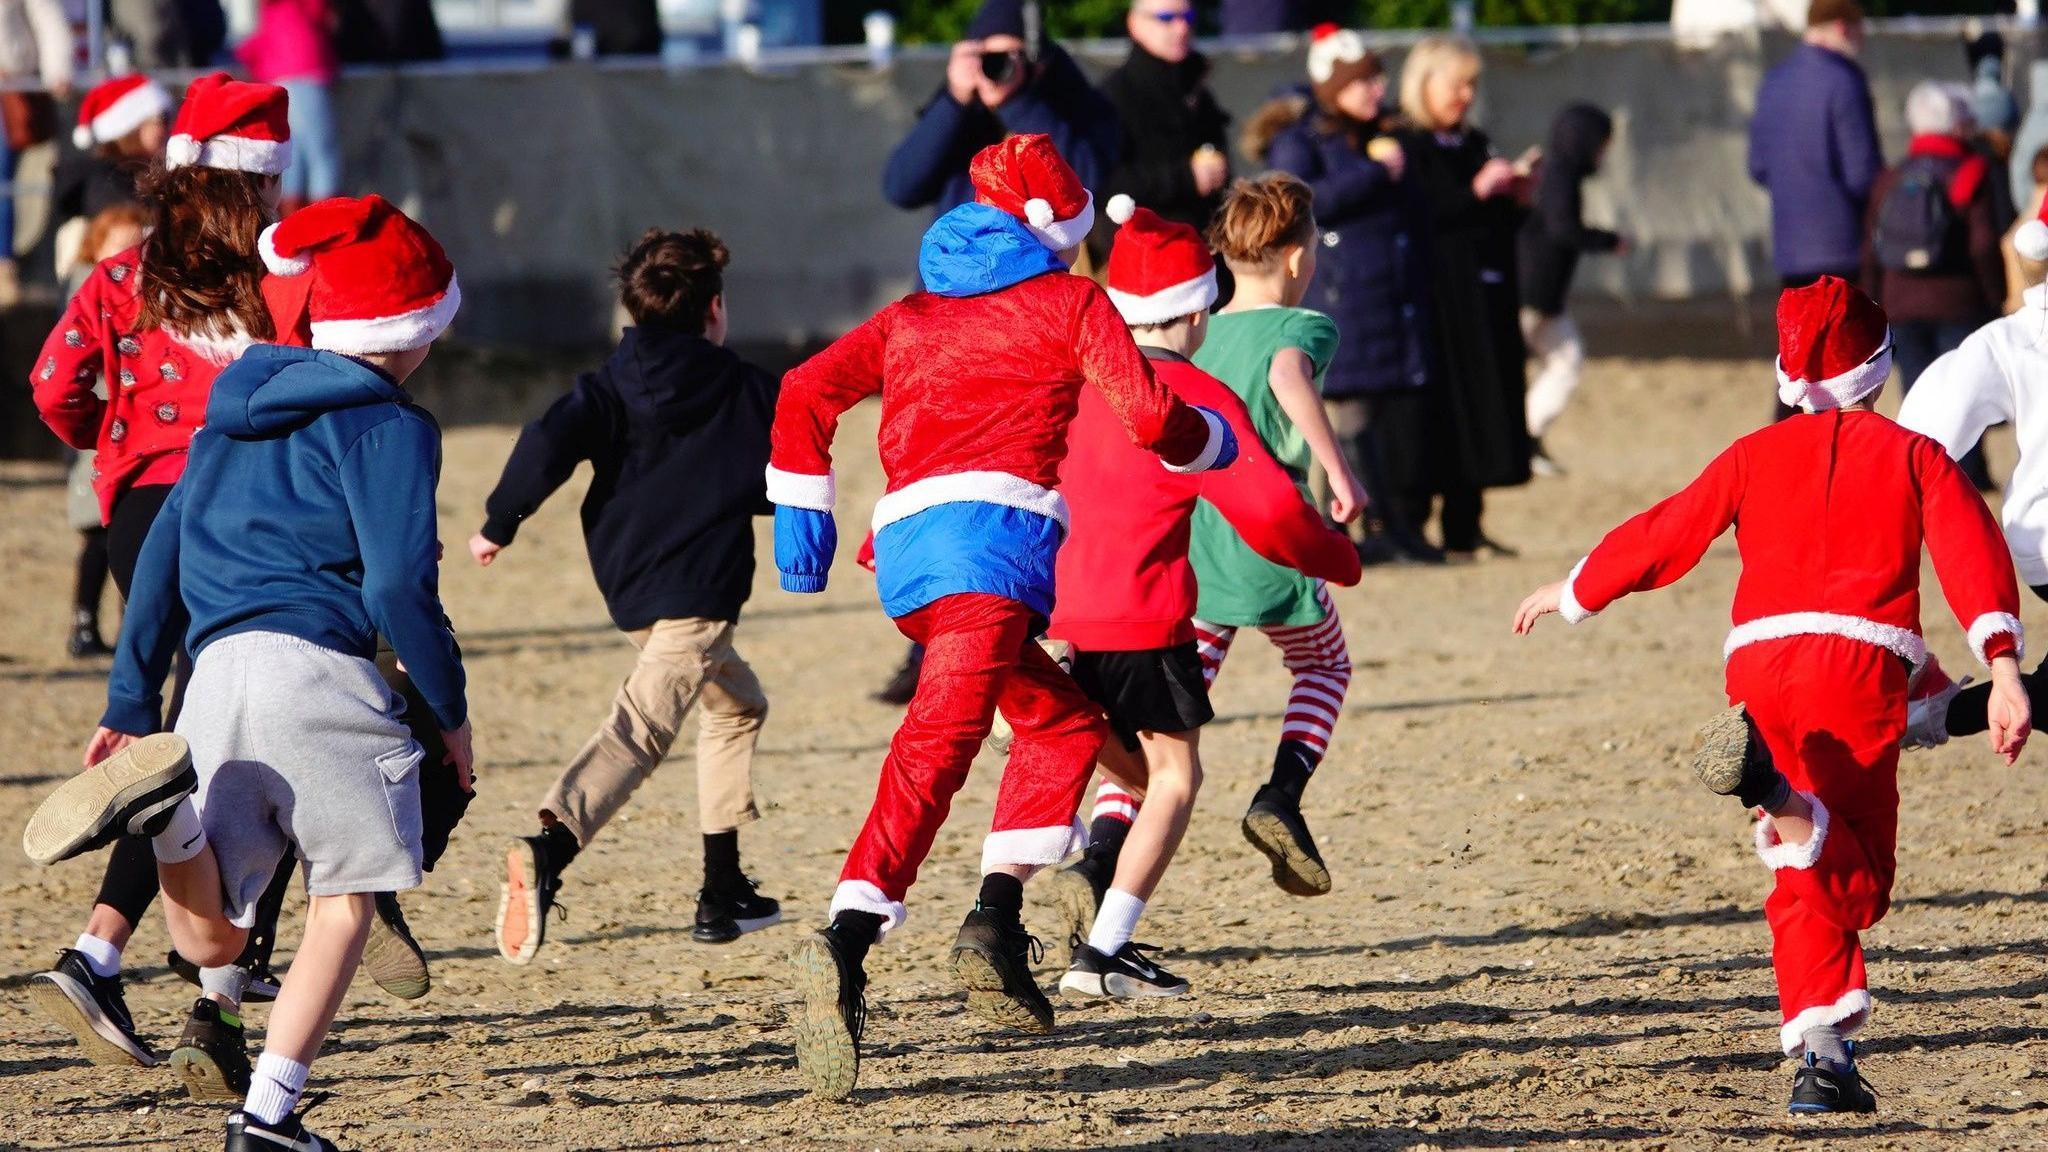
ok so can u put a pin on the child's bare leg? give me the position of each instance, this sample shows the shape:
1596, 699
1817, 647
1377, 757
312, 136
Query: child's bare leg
1793, 819
1174, 768
336, 927
193, 910
1123, 767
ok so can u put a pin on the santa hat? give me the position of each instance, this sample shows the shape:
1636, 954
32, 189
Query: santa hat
1026, 177
1834, 345
232, 125
2031, 240
1338, 56
1159, 269
371, 279
116, 108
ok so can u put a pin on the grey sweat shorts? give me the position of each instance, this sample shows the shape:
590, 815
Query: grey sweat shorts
299, 747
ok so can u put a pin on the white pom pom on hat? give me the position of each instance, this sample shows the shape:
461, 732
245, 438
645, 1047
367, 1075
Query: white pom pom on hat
1039, 212
82, 137
2031, 241
1120, 207
280, 265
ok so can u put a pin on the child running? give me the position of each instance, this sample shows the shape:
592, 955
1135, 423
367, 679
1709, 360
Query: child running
979, 377
1127, 593
1830, 511
304, 527
676, 428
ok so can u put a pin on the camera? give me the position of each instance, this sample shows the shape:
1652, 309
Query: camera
999, 67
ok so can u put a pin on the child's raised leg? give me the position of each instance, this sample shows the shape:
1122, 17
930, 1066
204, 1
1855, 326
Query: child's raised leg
336, 928
1108, 964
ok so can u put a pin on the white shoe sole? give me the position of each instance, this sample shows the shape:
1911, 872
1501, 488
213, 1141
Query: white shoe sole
1117, 987
69, 1006
85, 806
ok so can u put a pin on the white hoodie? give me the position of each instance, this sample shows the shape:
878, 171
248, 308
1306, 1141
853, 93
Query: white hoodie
1998, 375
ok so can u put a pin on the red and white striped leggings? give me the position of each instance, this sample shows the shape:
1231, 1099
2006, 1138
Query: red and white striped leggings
1315, 653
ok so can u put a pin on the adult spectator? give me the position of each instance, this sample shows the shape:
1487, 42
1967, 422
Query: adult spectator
1171, 144
1932, 255
1478, 433
386, 31
619, 27
998, 85
1372, 277
35, 47
293, 48
1813, 146
1260, 17
169, 33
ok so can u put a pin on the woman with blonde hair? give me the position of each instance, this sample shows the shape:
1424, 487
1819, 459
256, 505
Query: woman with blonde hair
1478, 435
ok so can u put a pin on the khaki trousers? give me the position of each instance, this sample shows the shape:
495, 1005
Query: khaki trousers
681, 662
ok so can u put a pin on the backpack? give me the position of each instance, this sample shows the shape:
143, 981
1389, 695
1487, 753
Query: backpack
1918, 228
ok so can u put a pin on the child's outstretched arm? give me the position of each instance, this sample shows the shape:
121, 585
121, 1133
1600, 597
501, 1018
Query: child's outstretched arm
1259, 499
800, 478
1292, 377
71, 361
1975, 570
573, 429
1184, 437
1967, 392
152, 628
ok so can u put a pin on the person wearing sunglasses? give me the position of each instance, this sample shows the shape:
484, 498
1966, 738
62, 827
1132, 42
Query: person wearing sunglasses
1172, 130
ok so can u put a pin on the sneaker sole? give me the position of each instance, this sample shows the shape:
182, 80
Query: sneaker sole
63, 1002
396, 963
1073, 899
520, 925
987, 999
1115, 987
1724, 744
155, 773
827, 1057
745, 926
202, 1075
1295, 871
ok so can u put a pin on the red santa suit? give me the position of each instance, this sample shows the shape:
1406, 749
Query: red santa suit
979, 376
1830, 510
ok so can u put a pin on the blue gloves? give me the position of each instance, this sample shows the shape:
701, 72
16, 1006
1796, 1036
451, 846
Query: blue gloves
805, 541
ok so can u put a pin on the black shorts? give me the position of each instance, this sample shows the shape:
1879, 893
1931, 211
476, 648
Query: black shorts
1151, 690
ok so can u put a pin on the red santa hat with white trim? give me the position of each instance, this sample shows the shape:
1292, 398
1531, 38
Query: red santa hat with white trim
233, 125
117, 107
1027, 177
1159, 269
370, 279
1834, 345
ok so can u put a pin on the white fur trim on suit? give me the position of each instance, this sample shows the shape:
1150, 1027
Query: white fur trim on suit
1849, 1015
801, 490
1171, 303
414, 329
1838, 391
1568, 605
1990, 624
1324, 55
123, 116
969, 488
1060, 235
1211, 449
1890, 637
861, 896
1777, 854
266, 246
1033, 847
233, 153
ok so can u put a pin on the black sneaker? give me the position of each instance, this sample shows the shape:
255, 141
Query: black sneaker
902, 683
1733, 760
212, 1057
1077, 895
84, 643
91, 1008
1818, 1088
833, 1014
1274, 826
391, 956
526, 898
725, 916
993, 962
1128, 975
262, 987
248, 1134
131, 793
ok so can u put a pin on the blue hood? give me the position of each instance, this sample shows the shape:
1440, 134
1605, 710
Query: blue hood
977, 248
273, 389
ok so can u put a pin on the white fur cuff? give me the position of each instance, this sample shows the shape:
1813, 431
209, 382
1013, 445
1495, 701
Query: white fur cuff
1033, 847
1568, 605
1060, 235
1776, 854
801, 490
861, 896
1848, 1014
1211, 449
1990, 624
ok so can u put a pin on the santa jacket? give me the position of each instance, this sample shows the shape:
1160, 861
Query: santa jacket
1998, 375
1125, 583
1829, 510
979, 377
156, 383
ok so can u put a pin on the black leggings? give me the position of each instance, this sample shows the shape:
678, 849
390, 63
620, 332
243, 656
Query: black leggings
92, 573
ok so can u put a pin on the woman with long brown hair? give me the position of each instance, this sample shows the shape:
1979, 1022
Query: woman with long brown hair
127, 372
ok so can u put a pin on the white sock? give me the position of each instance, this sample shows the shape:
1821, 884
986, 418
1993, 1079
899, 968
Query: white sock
231, 982
100, 955
275, 1087
1115, 922
183, 838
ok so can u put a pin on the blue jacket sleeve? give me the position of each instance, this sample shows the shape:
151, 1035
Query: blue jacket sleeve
919, 167
1760, 126
1343, 186
805, 541
1854, 127
152, 628
388, 477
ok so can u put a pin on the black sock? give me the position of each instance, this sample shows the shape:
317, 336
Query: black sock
722, 861
1106, 836
856, 933
561, 846
1293, 764
1002, 895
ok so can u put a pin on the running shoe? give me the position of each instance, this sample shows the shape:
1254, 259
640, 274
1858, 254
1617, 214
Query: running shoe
90, 1007
248, 1134
1274, 826
526, 898
212, 1056
992, 961
1819, 1088
832, 1017
1127, 975
131, 793
391, 956
725, 916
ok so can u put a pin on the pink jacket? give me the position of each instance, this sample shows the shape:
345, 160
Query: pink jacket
294, 40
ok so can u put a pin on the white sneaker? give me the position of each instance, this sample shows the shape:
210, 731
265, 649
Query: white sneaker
1928, 696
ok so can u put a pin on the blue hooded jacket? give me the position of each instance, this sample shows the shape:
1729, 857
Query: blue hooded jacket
306, 508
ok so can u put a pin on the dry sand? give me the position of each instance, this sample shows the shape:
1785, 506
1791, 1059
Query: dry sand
1543, 932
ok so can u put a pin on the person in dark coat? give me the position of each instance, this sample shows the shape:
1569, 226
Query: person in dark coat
1172, 130
1372, 279
619, 27
1478, 435
387, 31
1552, 238
1813, 146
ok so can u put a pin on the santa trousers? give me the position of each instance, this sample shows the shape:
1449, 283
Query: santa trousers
978, 656
1831, 711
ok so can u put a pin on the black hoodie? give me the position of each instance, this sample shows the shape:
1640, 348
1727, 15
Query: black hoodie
1554, 234
676, 429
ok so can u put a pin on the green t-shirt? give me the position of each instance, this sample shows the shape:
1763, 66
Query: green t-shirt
1237, 585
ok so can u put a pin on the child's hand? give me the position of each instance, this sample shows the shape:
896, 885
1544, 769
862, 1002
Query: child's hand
1542, 602
2009, 712
460, 756
1347, 497
104, 743
484, 550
